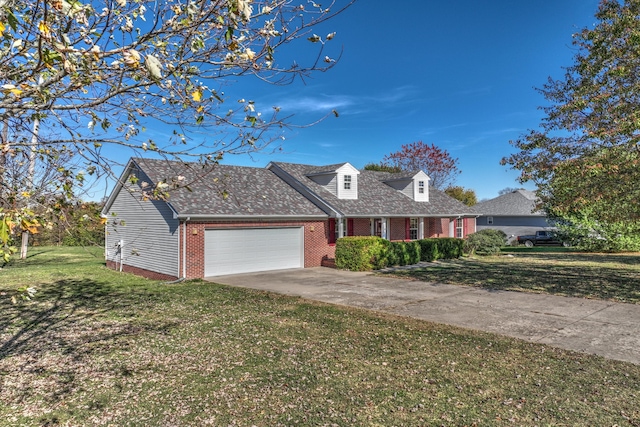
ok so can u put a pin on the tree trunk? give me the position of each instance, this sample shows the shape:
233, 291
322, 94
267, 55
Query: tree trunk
25, 243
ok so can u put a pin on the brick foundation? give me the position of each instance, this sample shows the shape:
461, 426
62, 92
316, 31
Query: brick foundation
140, 271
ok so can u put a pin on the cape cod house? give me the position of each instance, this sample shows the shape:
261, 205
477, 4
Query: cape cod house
231, 219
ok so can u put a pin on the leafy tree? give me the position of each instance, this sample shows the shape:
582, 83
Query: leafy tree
76, 224
94, 81
585, 158
466, 196
434, 161
381, 168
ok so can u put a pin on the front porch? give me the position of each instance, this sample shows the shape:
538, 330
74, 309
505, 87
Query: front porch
401, 228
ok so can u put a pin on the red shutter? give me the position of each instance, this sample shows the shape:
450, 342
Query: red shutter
407, 226
350, 227
332, 230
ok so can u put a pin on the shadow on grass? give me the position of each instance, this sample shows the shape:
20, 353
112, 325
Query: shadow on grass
610, 277
70, 321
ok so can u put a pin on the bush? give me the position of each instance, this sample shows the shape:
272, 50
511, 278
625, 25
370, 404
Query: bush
429, 250
361, 253
365, 253
403, 253
450, 247
486, 242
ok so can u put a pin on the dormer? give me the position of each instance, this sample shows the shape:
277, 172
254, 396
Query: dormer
341, 180
414, 186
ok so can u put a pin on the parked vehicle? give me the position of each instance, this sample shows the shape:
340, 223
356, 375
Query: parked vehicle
542, 237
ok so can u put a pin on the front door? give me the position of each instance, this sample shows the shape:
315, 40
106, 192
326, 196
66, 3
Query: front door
377, 227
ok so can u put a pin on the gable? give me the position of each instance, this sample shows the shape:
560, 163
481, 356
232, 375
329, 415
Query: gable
340, 180
415, 186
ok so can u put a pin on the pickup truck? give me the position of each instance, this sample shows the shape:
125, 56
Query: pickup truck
542, 237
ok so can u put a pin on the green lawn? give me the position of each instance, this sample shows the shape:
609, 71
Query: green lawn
96, 347
603, 276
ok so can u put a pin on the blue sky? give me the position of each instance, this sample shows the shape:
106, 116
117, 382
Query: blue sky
460, 74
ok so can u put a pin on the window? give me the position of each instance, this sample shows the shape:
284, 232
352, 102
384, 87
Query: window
413, 229
459, 228
421, 187
347, 182
489, 220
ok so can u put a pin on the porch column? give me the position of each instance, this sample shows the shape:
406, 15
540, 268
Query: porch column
383, 229
421, 228
341, 227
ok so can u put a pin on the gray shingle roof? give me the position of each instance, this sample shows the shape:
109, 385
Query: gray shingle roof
375, 198
251, 191
517, 203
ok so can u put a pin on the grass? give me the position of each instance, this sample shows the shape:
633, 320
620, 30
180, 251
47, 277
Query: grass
96, 347
603, 276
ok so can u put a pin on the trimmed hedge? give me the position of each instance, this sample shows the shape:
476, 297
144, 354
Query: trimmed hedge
361, 253
403, 253
364, 253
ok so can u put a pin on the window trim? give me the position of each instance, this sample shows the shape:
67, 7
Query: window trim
346, 182
421, 187
415, 229
459, 228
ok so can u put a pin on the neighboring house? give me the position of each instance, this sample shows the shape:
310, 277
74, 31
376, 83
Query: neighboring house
231, 219
515, 213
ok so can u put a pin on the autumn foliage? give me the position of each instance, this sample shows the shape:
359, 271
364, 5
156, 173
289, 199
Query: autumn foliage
585, 156
434, 161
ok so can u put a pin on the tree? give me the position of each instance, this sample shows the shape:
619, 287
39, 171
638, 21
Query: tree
434, 161
76, 224
100, 78
466, 196
381, 168
585, 157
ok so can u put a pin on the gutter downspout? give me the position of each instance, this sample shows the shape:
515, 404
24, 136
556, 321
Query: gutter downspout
184, 248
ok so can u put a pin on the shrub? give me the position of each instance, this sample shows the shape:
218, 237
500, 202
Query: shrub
429, 250
364, 253
403, 253
486, 241
361, 253
450, 247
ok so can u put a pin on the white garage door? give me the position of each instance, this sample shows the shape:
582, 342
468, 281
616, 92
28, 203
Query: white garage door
245, 250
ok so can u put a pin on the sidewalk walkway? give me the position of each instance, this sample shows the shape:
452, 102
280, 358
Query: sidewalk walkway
604, 328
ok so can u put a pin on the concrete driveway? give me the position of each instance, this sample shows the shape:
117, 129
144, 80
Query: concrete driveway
605, 328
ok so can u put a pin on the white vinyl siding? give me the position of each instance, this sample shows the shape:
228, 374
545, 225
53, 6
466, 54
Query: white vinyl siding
421, 192
147, 230
329, 182
245, 250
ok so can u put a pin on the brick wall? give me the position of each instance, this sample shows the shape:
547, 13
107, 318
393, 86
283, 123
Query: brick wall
397, 229
140, 271
361, 227
434, 227
316, 246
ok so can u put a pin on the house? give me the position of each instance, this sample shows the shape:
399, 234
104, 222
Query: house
516, 213
223, 219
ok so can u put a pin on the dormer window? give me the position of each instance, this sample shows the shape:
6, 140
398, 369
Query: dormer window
347, 182
421, 187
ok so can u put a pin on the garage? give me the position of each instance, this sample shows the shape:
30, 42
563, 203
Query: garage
246, 250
